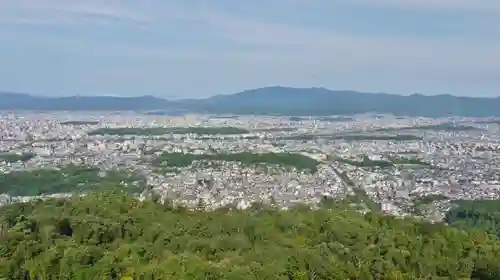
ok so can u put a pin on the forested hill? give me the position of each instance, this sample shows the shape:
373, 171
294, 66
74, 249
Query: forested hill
272, 100
321, 101
17, 101
113, 236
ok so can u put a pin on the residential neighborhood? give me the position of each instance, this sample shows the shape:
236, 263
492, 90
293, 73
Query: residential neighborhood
404, 165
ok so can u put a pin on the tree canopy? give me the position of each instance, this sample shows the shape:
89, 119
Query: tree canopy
298, 161
110, 235
67, 179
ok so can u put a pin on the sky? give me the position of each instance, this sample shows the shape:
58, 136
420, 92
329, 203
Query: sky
194, 48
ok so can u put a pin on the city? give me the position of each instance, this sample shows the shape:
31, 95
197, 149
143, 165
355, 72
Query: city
403, 166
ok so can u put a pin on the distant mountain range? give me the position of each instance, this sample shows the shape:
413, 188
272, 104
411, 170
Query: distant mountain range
271, 100
19, 101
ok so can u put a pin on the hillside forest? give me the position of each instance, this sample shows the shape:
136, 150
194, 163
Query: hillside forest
112, 235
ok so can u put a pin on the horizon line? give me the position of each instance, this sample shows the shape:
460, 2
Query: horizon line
2, 92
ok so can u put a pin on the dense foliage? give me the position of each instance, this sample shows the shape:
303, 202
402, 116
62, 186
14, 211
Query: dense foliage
14, 157
298, 161
391, 162
112, 236
65, 180
481, 214
78, 123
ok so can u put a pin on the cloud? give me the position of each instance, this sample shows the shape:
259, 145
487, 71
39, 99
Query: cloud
482, 6
246, 39
68, 12
295, 44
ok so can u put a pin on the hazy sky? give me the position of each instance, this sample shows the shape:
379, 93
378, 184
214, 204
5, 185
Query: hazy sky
199, 48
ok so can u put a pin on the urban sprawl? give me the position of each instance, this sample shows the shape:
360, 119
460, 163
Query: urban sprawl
404, 166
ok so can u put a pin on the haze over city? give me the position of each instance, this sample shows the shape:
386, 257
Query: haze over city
193, 49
